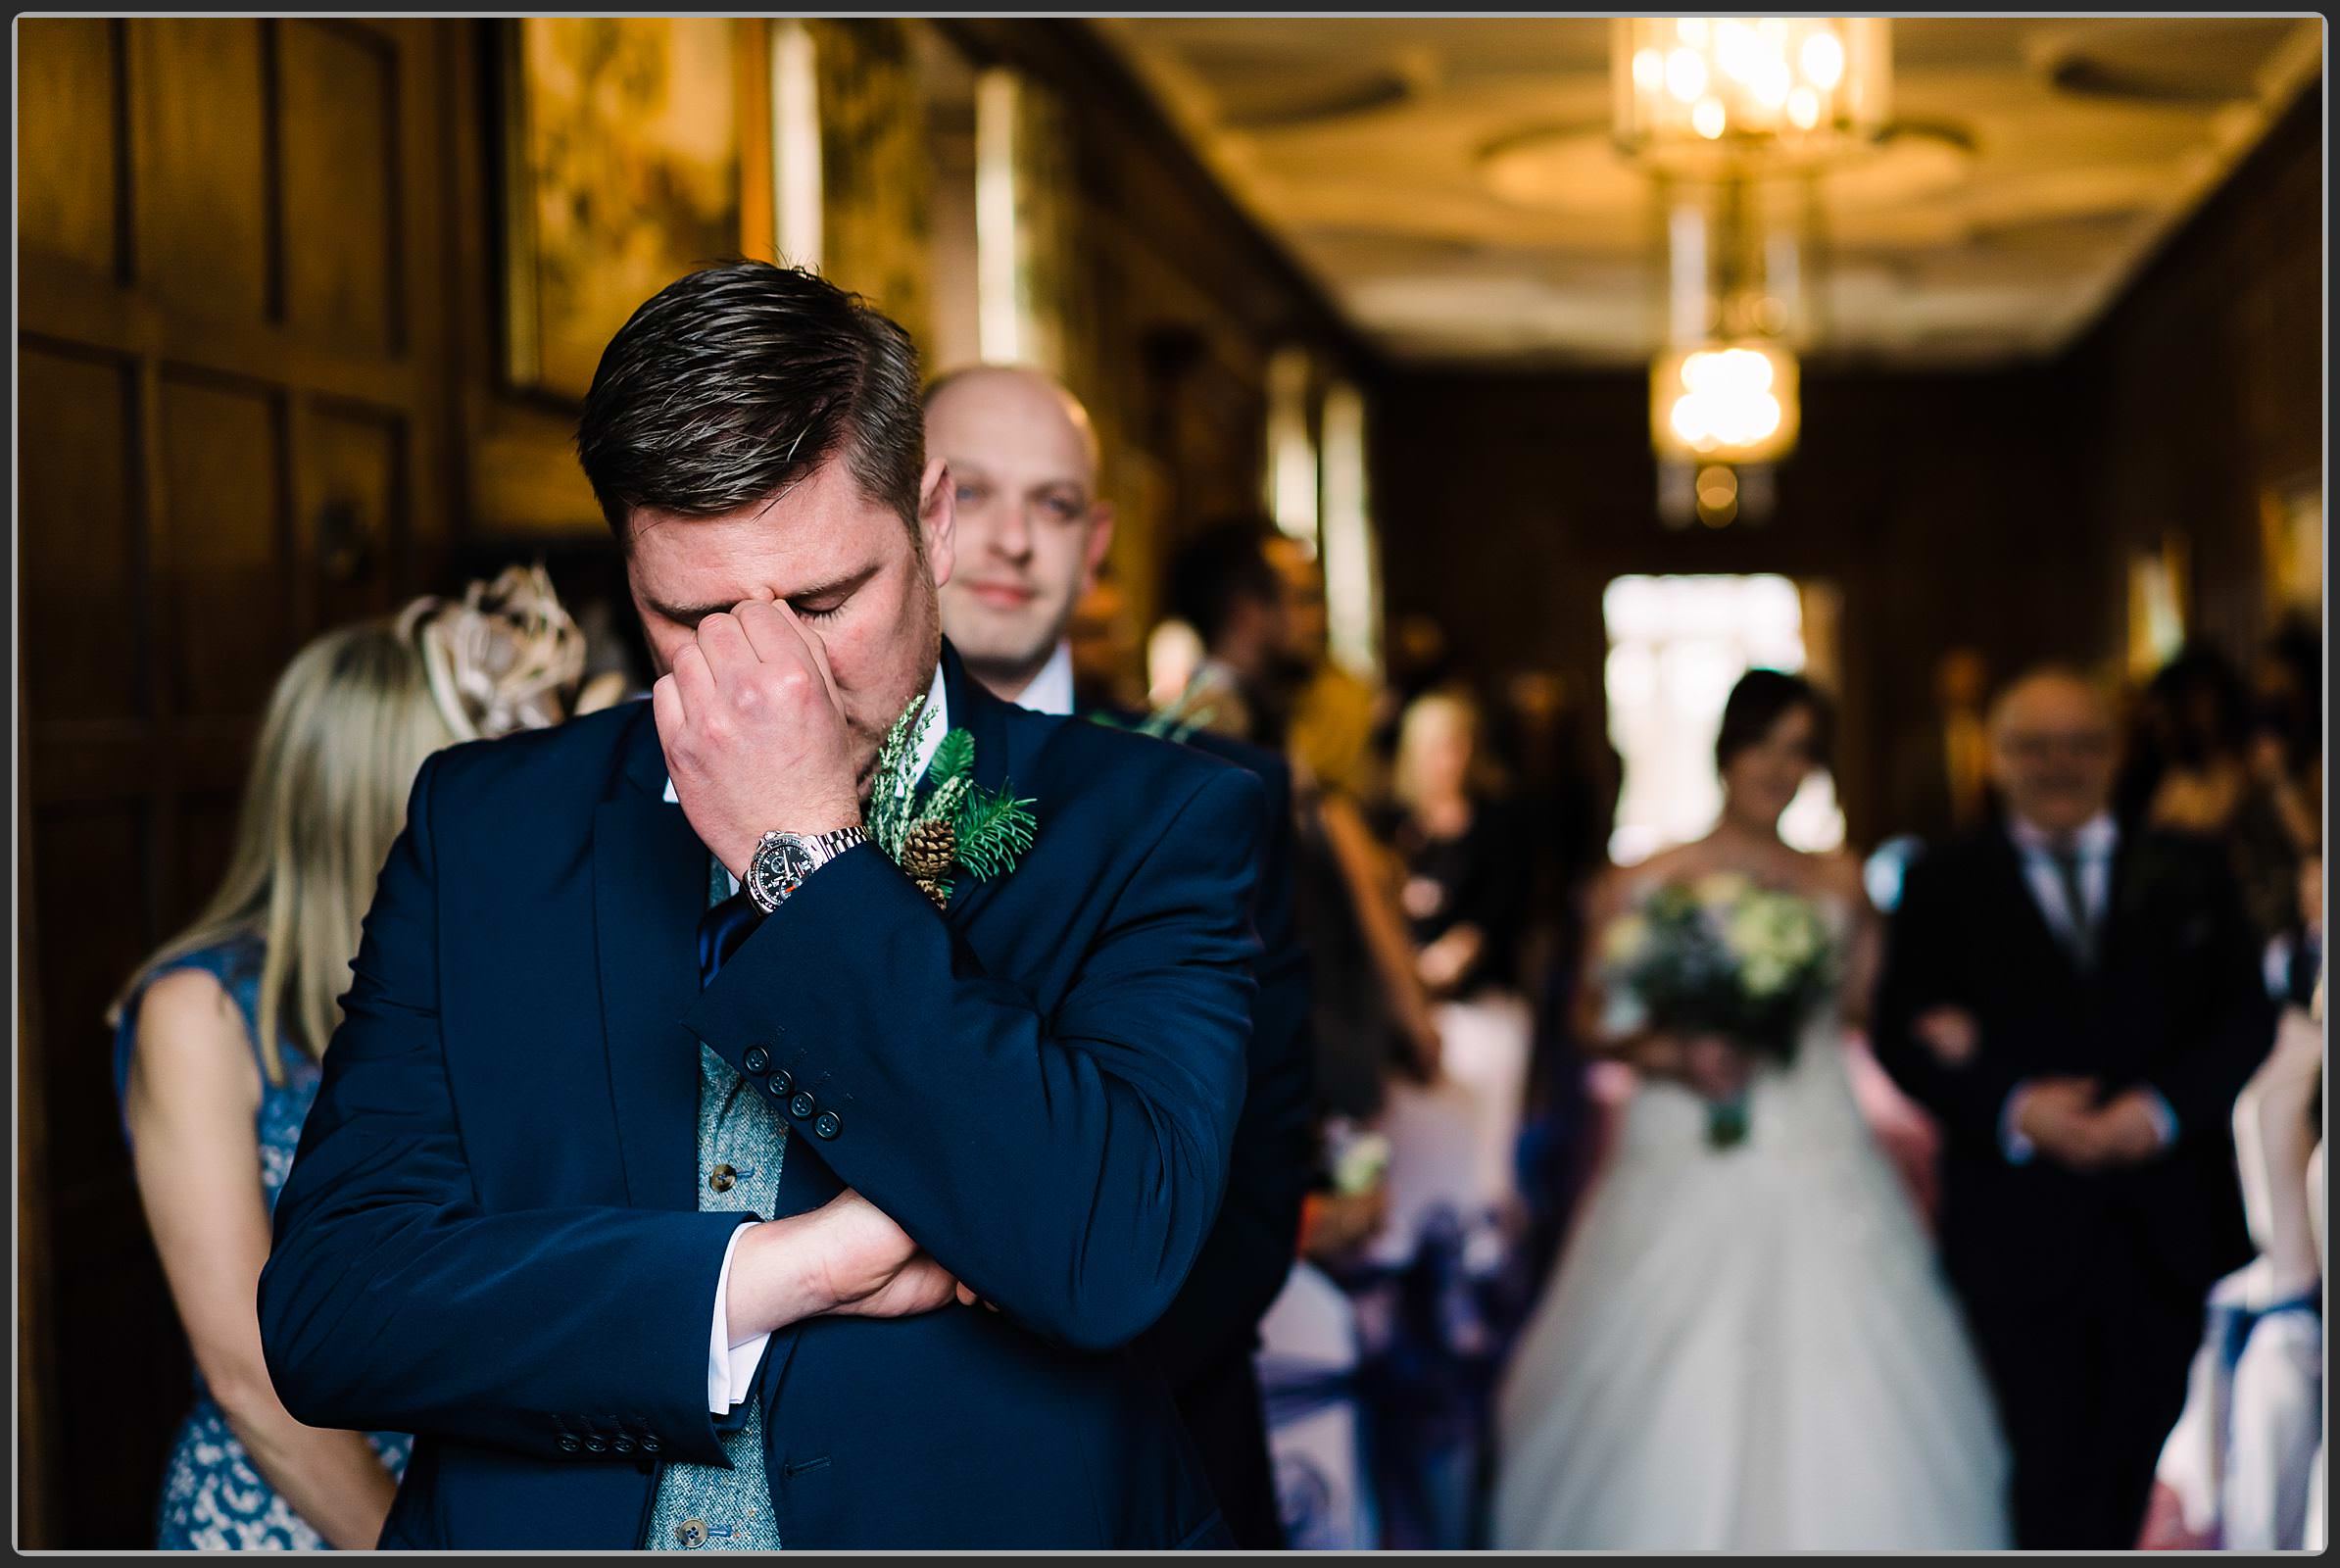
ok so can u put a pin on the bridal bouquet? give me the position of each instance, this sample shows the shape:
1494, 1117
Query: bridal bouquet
1720, 955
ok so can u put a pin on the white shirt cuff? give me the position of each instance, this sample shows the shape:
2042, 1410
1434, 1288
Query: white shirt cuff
2017, 1149
2164, 1118
730, 1367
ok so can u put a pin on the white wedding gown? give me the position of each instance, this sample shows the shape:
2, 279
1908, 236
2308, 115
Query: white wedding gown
1750, 1348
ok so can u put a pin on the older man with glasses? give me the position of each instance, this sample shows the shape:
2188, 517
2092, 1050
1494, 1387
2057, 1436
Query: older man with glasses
2077, 1002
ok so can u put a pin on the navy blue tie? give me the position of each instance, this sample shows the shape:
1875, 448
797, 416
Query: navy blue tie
721, 930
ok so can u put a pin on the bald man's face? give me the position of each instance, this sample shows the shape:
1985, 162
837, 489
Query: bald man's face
1031, 531
2052, 752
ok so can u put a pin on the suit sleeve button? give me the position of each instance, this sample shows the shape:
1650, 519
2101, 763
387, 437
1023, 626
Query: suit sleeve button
622, 1444
649, 1444
756, 1058
597, 1446
802, 1105
829, 1125
778, 1087
567, 1443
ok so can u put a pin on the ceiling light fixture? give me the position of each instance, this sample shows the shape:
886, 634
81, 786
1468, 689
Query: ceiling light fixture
1704, 94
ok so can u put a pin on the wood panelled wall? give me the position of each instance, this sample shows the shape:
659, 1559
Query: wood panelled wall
1997, 509
261, 394
2203, 387
229, 435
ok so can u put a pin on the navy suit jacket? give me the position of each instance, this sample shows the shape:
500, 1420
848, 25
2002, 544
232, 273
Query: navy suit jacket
2175, 1001
1204, 1342
490, 1237
1250, 1252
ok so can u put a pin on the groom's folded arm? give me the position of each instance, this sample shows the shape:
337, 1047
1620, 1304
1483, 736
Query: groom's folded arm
1065, 1166
392, 1303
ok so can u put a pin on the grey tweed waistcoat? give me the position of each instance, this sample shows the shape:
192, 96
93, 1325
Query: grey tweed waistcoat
703, 1507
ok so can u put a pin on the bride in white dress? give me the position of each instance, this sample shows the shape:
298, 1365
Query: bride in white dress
1749, 1347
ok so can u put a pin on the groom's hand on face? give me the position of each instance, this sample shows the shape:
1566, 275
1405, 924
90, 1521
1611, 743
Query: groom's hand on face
755, 732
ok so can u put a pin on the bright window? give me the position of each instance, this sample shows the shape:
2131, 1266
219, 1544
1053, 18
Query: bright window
1677, 645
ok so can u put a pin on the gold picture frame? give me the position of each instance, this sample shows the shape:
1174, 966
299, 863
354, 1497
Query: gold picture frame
2291, 529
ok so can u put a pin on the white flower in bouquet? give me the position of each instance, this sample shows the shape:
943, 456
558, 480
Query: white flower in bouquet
1775, 927
1764, 975
1721, 891
1625, 941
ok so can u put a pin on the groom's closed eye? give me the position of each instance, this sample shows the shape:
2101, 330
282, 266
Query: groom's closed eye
820, 601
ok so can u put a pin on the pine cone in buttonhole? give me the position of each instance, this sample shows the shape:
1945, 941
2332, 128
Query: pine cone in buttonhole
927, 851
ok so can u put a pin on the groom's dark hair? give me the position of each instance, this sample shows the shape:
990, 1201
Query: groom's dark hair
732, 383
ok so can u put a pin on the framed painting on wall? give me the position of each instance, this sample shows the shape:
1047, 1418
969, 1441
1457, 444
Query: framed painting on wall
2157, 607
2291, 520
620, 173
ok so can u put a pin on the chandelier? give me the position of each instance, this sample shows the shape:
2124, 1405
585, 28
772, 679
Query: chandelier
1725, 402
1707, 93
1724, 386
1728, 113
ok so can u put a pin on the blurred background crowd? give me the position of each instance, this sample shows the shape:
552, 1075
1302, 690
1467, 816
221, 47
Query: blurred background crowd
1348, 325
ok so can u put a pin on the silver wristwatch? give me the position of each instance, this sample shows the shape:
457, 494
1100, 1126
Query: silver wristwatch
782, 861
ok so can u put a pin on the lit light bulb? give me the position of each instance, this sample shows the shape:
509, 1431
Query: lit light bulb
1649, 70
1686, 421
1707, 120
1803, 108
1822, 61
1686, 74
1737, 50
1772, 83
1692, 30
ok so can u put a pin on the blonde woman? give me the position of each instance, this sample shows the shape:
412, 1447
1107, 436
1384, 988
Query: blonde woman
1464, 856
219, 1035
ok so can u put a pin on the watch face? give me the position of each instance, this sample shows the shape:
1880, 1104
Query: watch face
778, 867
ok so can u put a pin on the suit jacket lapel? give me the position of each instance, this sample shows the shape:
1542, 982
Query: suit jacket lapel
2122, 890
985, 718
2042, 931
649, 891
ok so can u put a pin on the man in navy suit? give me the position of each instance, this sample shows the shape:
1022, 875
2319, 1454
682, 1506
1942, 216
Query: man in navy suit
1032, 532
951, 1163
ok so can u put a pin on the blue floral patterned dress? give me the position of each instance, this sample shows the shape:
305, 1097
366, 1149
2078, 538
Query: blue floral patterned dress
213, 1498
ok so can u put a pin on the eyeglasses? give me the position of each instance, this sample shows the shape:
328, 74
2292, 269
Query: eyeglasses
2034, 746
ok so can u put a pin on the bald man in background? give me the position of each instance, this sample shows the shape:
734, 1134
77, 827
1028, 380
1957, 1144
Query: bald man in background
2077, 1002
1022, 458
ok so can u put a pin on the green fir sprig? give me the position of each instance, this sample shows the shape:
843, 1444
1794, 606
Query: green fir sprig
988, 830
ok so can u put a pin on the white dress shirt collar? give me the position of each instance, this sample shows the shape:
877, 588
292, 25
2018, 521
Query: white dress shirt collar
1051, 690
933, 722
2093, 839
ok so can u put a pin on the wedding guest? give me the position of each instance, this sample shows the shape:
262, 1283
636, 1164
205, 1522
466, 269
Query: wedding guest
1372, 1014
1464, 854
1033, 534
2289, 748
1224, 583
2076, 1001
2192, 771
2235, 1473
1331, 729
219, 1035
